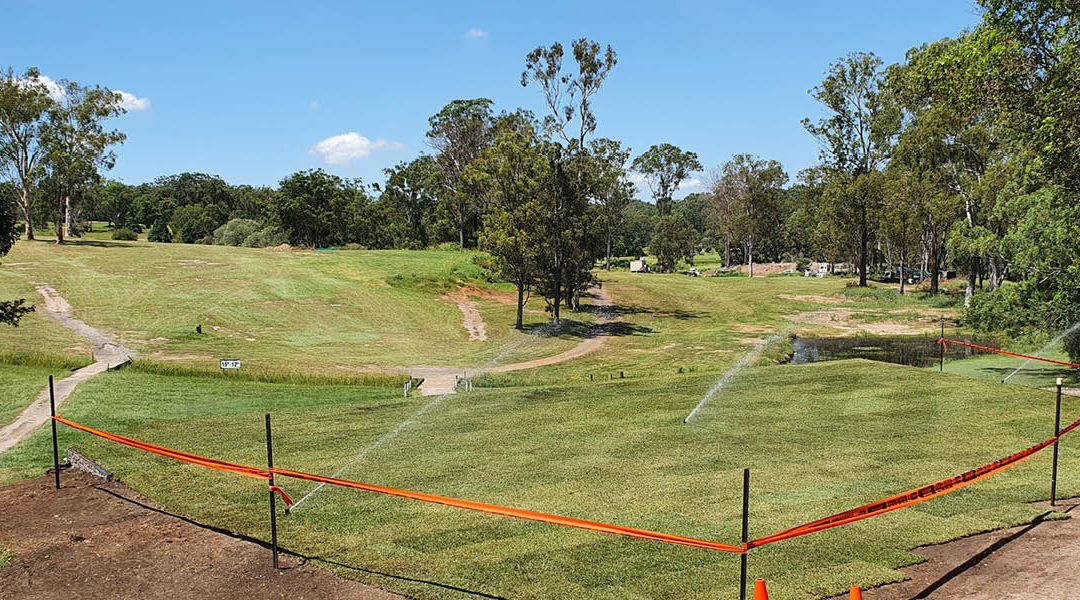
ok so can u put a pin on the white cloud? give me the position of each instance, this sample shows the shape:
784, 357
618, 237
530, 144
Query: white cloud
51, 87
314, 105
475, 33
131, 102
346, 147
128, 101
688, 186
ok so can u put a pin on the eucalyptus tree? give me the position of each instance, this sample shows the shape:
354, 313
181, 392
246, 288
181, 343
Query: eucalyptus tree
24, 102
459, 133
77, 145
10, 310
749, 191
611, 191
856, 136
513, 177
665, 167
412, 191
568, 96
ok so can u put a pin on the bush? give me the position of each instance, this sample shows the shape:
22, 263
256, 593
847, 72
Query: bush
266, 237
235, 232
159, 232
1072, 344
447, 247
124, 234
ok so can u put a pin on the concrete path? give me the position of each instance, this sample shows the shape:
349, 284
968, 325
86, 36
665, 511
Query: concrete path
108, 354
443, 380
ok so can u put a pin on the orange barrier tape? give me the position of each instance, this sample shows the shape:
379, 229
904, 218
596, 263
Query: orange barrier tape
517, 513
195, 459
430, 498
911, 497
944, 342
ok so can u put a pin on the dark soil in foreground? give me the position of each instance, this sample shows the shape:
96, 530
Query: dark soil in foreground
92, 539
1036, 560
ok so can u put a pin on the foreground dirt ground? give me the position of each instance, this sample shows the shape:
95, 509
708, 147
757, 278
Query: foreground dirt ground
93, 540
101, 540
1036, 560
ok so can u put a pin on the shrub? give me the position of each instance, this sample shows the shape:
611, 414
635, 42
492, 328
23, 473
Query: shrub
159, 232
266, 237
447, 247
235, 232
125, 234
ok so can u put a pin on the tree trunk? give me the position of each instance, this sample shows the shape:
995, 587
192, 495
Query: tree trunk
67, 215
727, 250
28, 220
864, 242
608, 264
557, 291
60, 220
973, 274
903, 279
520, 306
461, 233
750, 255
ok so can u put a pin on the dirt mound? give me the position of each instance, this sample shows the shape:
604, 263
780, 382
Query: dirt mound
282, 248
92, 539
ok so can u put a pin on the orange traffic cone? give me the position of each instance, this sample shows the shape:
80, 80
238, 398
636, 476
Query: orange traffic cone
856, 593
760, 593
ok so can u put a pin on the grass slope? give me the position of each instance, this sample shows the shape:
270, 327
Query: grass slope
304, 310
819, 439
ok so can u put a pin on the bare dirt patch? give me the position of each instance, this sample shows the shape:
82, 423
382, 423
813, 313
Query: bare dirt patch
471, 319
846, 320
1036, 560
745, 328
815, 298
93, 540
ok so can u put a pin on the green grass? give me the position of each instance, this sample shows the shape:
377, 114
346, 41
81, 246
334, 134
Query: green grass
19, 385
331, 311
6, 557
36, 333
314, 328
819, 439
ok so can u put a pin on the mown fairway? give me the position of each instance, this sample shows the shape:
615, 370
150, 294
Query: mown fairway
819, 438
330, 311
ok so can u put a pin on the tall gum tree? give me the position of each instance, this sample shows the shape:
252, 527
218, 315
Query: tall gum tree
857, 135
24, 102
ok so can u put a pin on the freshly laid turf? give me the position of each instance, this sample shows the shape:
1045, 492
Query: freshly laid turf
819, 438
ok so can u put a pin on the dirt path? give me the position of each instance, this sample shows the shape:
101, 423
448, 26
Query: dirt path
107, 354
471, 319
93, 540
1037, 560
443, 380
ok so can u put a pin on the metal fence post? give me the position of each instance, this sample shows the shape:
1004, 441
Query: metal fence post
273, 506
55, 444
745, 532
1057, 432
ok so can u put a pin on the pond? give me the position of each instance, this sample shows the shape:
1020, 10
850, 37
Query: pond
913, 351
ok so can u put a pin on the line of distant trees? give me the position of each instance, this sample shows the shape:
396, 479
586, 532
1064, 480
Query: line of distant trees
964, 157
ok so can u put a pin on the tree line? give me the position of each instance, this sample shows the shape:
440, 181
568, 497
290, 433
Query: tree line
963, 158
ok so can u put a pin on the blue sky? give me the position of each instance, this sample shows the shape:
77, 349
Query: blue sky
247, 90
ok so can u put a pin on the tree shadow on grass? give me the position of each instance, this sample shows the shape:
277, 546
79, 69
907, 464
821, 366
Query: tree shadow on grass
293, 553
103, 244
574, 329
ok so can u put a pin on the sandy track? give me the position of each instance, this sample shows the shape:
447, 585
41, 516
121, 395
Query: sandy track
443, 380
107, 354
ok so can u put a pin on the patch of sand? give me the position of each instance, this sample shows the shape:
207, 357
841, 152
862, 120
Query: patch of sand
746, 328
471, 319
844, 319
815, 298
